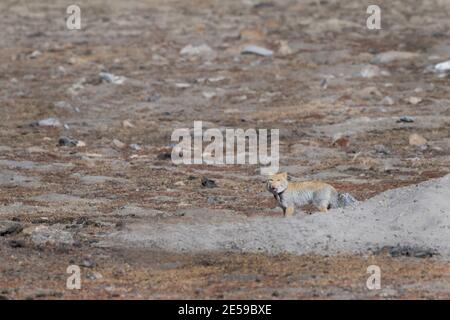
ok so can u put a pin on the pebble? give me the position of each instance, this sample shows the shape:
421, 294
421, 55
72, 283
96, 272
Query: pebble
417, 140
49, 122
119, 144
443, 66
257, 50
370, 72
392, 56
387, 101
201, 50
414, 100
135, 146
111, 78
127, 124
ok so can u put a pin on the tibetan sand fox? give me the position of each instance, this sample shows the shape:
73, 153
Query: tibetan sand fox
320, 194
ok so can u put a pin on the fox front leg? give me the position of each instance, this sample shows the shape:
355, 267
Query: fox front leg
288, 212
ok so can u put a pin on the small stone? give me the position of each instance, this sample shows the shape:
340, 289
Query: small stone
94, 275
417, 140
127, 124
369, 93
67, 142
414, 100
111, 78
379, 148
62, 105
251, 35
182, 85
257, 50
208, 94
284, 49
202, 50
406, 119
443, 66
208, 183
88, 263
135, 146
392, 56
35, 54
49, 122
119, 144
387, 101
342, 142
370, 71
16, 243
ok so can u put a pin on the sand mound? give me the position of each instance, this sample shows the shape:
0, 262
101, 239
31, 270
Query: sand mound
415, 216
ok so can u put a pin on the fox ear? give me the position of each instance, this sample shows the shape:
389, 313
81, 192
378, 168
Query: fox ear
284, 175
289, 178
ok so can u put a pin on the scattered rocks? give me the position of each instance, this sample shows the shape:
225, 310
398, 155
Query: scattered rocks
260, 51
208, 183
393, 56
417, 140
9, 227
42, 235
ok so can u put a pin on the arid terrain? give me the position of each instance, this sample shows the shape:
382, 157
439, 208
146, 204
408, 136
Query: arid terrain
86, 176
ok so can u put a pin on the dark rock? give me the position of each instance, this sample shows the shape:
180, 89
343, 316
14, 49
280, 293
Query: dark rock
16, 243
9, 227
408, 251
67, 142
406, 119
164, 156
208, 183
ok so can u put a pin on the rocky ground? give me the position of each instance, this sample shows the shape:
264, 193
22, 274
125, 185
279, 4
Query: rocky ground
86, 176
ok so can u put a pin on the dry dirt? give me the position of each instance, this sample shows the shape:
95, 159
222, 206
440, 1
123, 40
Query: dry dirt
314, 89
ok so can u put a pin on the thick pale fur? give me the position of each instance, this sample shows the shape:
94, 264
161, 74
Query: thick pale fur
291, 194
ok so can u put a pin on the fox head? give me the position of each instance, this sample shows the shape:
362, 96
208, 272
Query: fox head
277, 182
